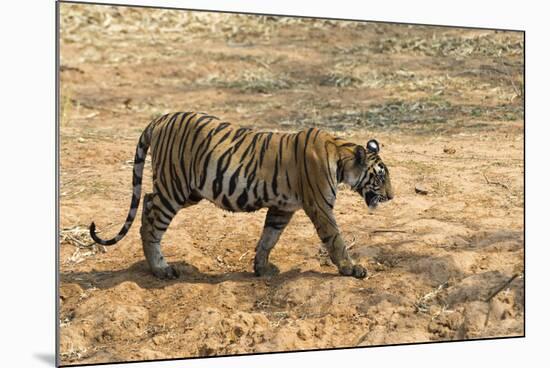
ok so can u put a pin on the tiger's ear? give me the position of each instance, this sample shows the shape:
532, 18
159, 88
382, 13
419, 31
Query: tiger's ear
360, 155
373, 146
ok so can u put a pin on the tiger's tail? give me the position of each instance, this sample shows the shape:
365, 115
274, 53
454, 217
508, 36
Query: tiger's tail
139, 162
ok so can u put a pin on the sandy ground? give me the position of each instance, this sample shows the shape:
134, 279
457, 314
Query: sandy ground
447, 106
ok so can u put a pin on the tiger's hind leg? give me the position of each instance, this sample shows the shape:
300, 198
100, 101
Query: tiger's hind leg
154, 222
275, 223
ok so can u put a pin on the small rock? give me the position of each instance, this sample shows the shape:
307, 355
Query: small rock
449, 150
81, 140
238, 331
420, 190
303, 334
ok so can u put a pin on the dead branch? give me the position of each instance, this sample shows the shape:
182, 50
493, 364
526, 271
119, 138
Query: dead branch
244, 254
388, 231
500, 288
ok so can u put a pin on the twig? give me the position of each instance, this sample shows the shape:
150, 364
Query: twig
388, 231
501, 287
351, 243
495, 293
494, 182
244, 254
454, 157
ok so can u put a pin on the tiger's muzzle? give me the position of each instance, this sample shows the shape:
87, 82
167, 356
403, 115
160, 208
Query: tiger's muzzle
373, 199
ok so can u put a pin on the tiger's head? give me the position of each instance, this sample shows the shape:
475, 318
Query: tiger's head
368, 175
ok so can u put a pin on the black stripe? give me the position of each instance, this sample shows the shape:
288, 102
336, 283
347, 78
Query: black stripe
328, 175
205, 170
135, 202
166, 204
275, 177
238, 133
184, 133
139, 159
200, 128
227, 204
223, 164
160, 220
323, 196
265, 146
198, 155
167, 137
237, 145
339, 171
165, 149
316, 135
281, 149
233, 180
296, 147
250, 162
162, 211
242, 200
221, 127
249, 148
251, 177
179, 196
159, 228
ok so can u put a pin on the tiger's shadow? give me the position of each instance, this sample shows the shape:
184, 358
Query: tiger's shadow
140, 274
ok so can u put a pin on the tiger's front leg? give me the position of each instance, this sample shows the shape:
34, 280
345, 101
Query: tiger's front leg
340, 257
326, 227
275, 222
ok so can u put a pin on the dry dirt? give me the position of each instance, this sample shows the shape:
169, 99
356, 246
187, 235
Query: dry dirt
447, 106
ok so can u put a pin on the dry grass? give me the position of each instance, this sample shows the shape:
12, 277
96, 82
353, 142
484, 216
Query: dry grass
85, 247
73, 354
128, 23
424, 303
441, 44
254, 81
77, 236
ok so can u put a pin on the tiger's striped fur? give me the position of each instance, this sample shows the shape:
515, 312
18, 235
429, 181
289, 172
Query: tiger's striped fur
196, 156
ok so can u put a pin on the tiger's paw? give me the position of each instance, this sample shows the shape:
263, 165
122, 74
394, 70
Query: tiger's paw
166, 273
268, 270
359, 271
356, 271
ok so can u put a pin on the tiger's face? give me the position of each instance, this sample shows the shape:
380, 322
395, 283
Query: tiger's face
368, 175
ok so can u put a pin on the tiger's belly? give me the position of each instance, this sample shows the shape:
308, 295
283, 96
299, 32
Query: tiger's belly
251, 198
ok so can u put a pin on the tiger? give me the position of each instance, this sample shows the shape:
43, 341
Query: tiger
197, 156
